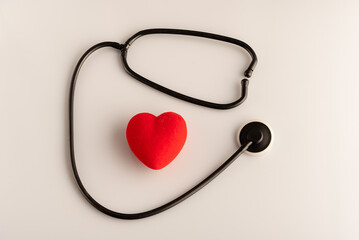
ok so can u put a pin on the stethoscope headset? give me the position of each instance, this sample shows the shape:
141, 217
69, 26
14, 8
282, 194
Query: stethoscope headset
254, 137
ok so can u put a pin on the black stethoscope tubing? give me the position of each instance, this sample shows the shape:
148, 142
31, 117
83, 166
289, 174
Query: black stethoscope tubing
248, 72
123, 49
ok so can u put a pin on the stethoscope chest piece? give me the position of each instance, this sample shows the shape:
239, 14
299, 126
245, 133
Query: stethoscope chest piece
258, 133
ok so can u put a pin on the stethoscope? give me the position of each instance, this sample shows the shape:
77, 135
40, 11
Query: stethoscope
254, 137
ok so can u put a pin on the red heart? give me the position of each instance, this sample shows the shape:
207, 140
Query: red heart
156, 141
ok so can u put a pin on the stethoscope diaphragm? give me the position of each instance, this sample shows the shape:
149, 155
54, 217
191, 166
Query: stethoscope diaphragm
259, 134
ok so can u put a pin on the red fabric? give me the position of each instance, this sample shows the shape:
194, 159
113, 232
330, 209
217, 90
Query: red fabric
156, 141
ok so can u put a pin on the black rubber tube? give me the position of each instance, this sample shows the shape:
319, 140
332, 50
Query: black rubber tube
222, 106
87, 195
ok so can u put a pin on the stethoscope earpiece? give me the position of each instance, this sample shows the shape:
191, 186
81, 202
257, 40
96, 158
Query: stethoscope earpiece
258, 133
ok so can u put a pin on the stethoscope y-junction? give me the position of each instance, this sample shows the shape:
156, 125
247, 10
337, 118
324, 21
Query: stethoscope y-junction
254, 137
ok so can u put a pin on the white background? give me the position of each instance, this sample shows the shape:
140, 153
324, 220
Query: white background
305, 86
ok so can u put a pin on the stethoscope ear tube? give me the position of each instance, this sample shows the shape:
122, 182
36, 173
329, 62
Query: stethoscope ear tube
244, 83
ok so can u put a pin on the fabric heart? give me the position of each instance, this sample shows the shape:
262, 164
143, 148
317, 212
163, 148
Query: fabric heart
156, 141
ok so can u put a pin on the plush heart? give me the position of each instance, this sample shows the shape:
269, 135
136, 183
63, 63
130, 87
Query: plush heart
156, 141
